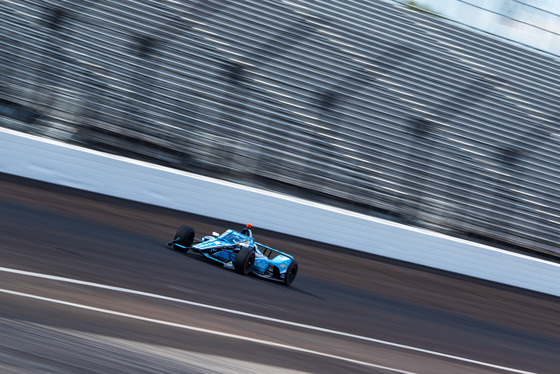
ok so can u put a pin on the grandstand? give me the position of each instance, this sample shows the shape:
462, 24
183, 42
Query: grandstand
362, 104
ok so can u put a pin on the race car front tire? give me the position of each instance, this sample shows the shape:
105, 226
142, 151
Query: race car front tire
184, 237
244, 261
291, 273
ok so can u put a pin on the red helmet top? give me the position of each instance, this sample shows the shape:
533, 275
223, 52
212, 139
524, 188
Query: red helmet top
248, 226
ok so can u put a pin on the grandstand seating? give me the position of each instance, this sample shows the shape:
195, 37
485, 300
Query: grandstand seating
360, 101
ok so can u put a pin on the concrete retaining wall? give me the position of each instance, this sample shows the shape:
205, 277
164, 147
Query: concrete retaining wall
54, 162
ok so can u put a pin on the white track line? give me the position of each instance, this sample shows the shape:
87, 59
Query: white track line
256, 316
206, 331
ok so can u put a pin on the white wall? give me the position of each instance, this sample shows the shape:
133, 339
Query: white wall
59, 163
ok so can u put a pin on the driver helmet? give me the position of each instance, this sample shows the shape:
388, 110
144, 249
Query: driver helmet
247, 230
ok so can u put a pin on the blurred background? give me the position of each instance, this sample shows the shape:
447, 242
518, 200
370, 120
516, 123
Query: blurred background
396, 109
534, 23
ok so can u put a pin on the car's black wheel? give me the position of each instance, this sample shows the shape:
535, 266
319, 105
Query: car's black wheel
244, 261
184, 237
291, 273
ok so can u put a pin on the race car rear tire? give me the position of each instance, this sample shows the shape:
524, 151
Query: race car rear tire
291, 273
244, 261
184, 237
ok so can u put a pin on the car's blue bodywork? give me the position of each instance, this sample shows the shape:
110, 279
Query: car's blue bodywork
269, 263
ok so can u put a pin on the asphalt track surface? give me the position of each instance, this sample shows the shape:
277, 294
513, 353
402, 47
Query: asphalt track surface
87, 285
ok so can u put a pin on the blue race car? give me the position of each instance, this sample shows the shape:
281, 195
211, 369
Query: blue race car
239, 251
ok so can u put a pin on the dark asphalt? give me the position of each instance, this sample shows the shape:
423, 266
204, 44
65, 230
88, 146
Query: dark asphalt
69, 233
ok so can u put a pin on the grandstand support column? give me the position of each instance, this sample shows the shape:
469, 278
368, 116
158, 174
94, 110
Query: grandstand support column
142, 81
505, 198
93, 93
52, 58
322, 144
416, 168
233, 108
